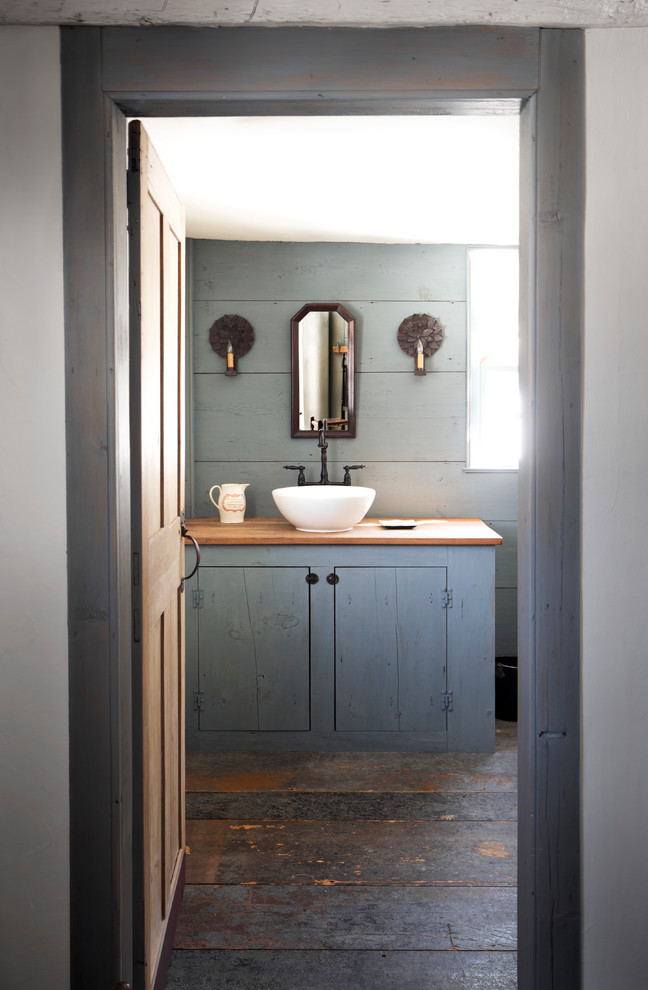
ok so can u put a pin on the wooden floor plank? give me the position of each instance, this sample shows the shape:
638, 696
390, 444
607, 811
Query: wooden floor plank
444, 806
302, 917
351, 772
352, 852
350, 970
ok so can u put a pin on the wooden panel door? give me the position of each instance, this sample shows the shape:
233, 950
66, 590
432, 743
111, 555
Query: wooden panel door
390, 649
156, 221
254, 649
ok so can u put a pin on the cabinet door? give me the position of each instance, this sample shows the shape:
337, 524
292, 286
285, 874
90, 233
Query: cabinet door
254, 648
390, 646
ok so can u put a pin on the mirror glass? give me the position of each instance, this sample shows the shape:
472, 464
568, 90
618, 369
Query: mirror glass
323, 365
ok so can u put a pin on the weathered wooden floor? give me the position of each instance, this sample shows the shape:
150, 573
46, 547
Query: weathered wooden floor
367, 870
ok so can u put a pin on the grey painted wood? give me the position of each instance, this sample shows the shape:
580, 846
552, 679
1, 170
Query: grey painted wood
549, 688
323, 558
366, 650
402, 419
471, 645
192, 679
121, 702
418, 489
377, 322
506, 552
325, 741
382, 647
422, 633
390, 653
226, 662
213, 67
247, 415
254, 666
278, 604
98, 532
324, 272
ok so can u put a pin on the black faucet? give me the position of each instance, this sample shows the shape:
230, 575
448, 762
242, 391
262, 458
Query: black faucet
323, 446
324, 478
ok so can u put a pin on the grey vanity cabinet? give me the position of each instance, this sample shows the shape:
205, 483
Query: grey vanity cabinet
254, 649
390, 649
341, 647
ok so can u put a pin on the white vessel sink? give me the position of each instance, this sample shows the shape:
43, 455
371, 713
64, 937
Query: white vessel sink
325, 508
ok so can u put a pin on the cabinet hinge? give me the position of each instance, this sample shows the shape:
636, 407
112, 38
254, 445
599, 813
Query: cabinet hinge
197, 598
446, 598
199, 701
447, 701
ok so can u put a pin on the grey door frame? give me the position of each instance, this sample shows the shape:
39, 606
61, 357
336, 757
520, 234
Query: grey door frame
110, 72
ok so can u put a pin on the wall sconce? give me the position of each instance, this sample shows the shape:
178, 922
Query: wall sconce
420, 335
231, 337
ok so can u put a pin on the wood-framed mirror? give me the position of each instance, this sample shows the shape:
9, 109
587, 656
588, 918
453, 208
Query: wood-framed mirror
323, 370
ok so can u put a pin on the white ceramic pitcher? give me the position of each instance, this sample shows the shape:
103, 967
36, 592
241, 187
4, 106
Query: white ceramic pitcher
231, 502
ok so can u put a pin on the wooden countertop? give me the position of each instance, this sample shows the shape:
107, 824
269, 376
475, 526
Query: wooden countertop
471, 532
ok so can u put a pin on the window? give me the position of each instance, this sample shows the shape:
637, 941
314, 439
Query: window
493, 387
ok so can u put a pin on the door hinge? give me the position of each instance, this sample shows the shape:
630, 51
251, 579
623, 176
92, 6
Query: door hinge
446, 598
136, 625
199, 701
197, 598
447, 701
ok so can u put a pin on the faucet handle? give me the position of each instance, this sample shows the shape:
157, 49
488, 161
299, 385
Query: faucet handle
301, 477
347, 469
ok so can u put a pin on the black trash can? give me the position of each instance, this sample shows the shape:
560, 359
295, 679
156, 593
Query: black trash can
506, 682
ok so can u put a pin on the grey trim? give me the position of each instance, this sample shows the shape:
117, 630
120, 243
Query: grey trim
98, 512
549, 518
301, 70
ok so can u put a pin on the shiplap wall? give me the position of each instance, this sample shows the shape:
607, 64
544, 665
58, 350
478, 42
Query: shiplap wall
411, 431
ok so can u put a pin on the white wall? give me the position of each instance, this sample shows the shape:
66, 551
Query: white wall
33, 605
615, 521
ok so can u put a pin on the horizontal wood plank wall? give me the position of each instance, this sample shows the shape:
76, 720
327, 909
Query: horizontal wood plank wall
411, 431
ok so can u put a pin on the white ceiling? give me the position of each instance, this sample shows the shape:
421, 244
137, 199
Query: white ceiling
341, 13
403, 179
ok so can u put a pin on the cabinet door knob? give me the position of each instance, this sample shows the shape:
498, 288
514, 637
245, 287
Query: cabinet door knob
332, 578
312, 578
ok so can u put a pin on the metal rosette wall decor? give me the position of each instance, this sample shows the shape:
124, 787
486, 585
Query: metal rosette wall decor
231, 337
420, 335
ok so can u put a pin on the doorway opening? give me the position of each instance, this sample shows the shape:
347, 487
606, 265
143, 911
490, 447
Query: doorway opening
385, 250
